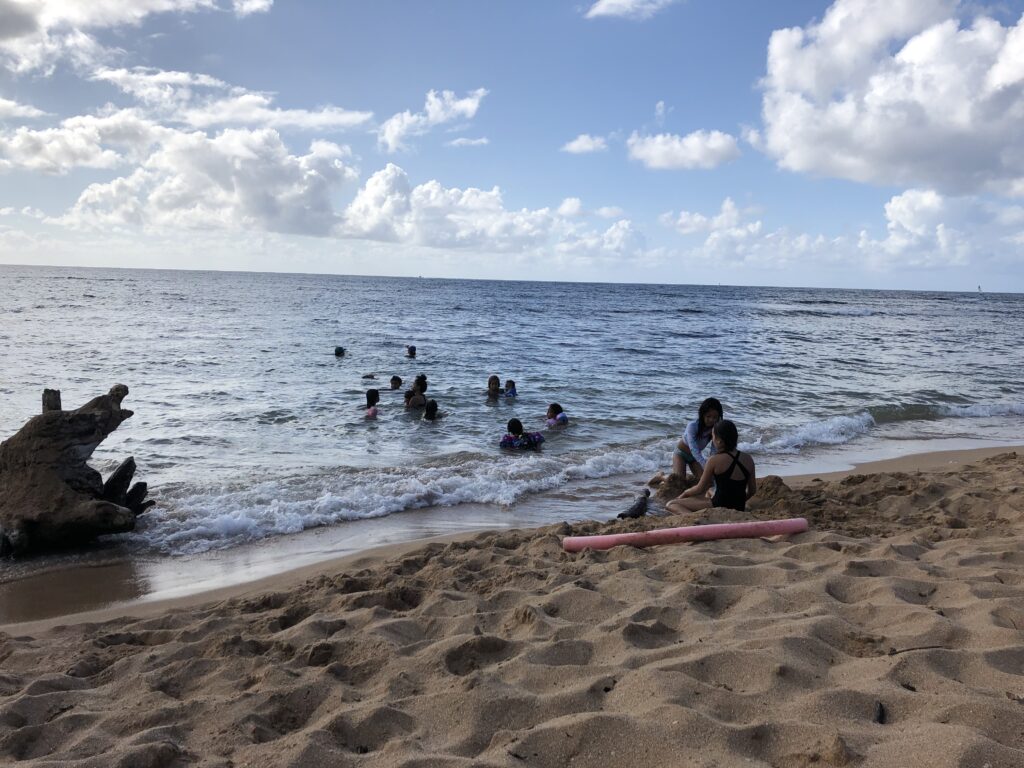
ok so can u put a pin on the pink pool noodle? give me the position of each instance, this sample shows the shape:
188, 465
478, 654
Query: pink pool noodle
689, 533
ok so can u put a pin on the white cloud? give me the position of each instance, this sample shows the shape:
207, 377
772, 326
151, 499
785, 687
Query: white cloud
630, 9
462, 141
89, 141
610, 212
36, 34
9, 109
571, 206
688, 223
204, 101
443, 107
898, 92
585, 143
245, 7
666, 151
389, 208
238, 179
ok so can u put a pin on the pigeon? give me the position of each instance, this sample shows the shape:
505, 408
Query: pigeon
639, 507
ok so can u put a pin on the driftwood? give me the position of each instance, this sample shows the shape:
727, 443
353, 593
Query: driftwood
49, 496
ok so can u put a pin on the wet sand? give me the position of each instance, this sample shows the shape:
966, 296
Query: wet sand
107, 584
892, 633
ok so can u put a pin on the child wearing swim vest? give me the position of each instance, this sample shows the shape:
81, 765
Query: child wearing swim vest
517, 438
556, 417
732, 473
510, 388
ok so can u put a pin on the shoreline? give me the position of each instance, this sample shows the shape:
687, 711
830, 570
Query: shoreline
27, 604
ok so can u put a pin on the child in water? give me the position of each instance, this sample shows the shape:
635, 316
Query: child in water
516, 438
372, 398
732, 473
430, 412
396, 382
510, 388
493, 387
556, 416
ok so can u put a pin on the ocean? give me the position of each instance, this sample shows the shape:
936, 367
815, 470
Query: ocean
247, 426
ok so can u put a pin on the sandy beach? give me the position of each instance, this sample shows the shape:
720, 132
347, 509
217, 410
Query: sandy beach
890, 634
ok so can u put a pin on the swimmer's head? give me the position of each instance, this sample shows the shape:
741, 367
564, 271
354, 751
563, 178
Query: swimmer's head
515, 427
710, 411
509, 385
372, 397
420, 383
553, 410
430, 413
410, 351
725, 432
396, 382
493, 382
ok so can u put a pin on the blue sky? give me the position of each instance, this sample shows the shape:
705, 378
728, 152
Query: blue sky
857, 143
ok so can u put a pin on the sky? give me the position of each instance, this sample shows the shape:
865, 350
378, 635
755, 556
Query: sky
858, 143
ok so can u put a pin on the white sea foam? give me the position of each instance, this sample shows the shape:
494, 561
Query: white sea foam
833, 431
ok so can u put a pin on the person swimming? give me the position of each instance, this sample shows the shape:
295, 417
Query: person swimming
518, 439
430, 412
414, 398
732, 472
510, 388
493, 387
556, 416
372, 398
410, 350
396, 382
421, 382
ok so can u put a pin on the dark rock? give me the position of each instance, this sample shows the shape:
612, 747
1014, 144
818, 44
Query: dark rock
638, 508
49, 496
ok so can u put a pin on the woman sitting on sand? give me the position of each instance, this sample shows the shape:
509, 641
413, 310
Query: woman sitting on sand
732, 473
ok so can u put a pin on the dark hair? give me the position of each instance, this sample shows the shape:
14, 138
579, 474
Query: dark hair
408, 395
372, 397
396, 382
493, 377
556, 408
509, 384
421, 383
411, 350
725, 431
431, 411
515, 427
711, 404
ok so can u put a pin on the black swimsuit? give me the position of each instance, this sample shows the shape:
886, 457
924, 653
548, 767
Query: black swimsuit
730, 493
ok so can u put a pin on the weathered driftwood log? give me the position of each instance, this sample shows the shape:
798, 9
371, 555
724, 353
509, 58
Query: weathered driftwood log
49, 496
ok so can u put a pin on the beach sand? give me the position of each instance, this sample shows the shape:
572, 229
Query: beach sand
891, 634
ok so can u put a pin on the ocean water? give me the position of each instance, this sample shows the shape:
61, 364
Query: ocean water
247, 426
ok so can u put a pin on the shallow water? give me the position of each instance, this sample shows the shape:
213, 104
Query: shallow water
246, 425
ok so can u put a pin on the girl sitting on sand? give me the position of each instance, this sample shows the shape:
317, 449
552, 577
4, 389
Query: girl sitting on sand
731, 472
516, 438
689, 451
556, 417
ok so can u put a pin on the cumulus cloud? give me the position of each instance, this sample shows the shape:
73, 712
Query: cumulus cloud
666, 151
389, 208
203, 101
9, 109
462, 141
440, 108
571, 206
585, 143
899, 92
610, 212
38, 33
238, 179
629, 9
688, 222
87, 141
